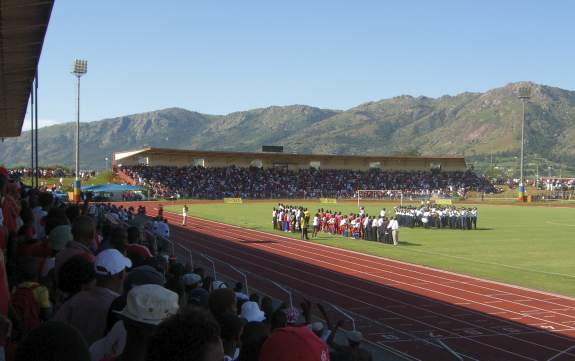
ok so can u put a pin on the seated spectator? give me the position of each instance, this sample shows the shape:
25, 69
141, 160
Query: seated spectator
146, 307
84, 233
45, 202
252, 313
118, 239
222, 301
231, 327
351, 351
76, 275
192, 335
58, 238
30, 300
53, 341
135, 251
294, 343
138, 276
253, 337
240, 295
88, 310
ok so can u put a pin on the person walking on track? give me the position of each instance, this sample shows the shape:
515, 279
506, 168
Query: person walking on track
184, 214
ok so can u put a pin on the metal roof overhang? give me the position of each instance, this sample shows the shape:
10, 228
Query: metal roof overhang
23, 25
262, 155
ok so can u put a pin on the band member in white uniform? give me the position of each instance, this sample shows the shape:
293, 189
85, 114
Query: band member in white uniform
184, 214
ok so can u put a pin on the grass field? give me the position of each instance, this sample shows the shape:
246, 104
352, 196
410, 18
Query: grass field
100, 178
527, 246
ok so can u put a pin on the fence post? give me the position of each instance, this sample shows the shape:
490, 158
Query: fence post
213, 265
345, 314
286, 291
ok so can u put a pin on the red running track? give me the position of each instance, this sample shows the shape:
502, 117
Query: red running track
479, 319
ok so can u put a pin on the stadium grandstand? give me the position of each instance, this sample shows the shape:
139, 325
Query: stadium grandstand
170, 173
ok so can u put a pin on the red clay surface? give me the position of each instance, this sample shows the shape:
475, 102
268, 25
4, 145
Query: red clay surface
406, 307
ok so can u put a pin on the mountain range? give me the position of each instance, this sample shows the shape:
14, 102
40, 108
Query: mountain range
477, 125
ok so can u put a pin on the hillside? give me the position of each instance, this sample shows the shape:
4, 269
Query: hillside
477, 125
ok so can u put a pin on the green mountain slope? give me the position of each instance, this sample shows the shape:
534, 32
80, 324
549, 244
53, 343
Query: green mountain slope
476, 125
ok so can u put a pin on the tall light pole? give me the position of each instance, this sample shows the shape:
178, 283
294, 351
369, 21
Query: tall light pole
524, 95
80, 68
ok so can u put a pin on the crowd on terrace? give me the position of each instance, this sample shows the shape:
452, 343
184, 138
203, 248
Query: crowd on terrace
214, 183
97, 282
42, 172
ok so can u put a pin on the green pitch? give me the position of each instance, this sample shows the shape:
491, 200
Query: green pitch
528, 246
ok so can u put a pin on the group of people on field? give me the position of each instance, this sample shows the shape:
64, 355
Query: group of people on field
437, 216
378, 228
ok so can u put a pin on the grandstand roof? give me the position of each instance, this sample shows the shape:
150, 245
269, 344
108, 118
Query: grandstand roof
270, 155
23, 25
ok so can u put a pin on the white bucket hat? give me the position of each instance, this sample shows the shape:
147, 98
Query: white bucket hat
251, 312
150, 304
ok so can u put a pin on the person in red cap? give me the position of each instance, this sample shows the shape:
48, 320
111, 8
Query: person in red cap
294, 343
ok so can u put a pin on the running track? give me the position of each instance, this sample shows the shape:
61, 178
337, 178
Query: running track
479, 319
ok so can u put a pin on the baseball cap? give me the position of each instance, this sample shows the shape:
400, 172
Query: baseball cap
150, 304
294, 343
110, 262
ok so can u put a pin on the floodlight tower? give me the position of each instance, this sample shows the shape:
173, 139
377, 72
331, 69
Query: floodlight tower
524, 95
80, 68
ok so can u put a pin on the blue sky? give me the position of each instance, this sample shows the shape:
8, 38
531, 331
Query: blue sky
222, 56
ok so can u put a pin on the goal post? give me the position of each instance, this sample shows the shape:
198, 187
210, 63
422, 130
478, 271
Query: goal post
379, 194
399, 195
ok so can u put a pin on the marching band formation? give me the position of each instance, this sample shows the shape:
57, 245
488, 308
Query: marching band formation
434, 216
379, 228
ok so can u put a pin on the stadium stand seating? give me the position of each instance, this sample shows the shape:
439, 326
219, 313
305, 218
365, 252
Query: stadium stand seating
215, 183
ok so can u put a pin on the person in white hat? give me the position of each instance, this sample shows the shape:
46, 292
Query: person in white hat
251, 312
146, 307
88, 310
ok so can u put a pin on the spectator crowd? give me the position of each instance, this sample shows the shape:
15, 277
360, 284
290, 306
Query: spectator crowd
215, 183
97, 282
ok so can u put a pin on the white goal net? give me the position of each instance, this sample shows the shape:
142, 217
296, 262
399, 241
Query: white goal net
393, 195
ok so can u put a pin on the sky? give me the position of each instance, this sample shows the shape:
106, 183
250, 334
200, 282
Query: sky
221, 56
